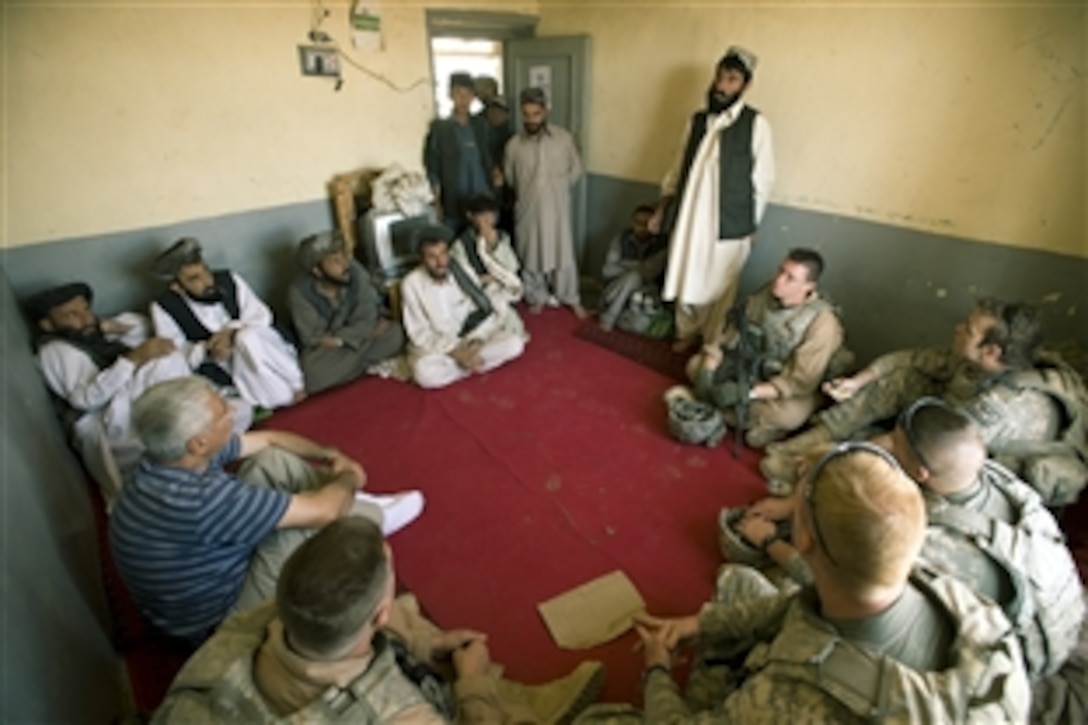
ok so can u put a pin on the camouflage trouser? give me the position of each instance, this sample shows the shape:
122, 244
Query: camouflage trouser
278, 469
879, 401
1063, 696
711, 681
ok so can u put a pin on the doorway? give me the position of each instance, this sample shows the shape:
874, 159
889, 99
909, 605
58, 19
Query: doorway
473, 42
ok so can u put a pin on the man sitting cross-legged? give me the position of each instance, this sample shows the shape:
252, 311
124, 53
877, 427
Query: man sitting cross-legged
454, 327
97, 367
1031, 408
334, 307
224, 330
635, 262
336, 646
873, 639
792, 341
193, 542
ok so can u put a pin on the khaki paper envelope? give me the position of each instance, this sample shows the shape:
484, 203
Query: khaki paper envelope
593, 613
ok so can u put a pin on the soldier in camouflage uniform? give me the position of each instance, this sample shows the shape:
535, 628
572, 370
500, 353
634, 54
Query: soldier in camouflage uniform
795, 337
987, 529
991, 530
335, 646
871, 640
1029, 406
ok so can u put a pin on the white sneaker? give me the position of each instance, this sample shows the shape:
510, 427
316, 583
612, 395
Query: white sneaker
398, 510
553, 301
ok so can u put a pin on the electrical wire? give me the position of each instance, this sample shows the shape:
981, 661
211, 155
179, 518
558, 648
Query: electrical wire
318, 13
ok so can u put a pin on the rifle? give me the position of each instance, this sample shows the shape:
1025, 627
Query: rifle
748, 359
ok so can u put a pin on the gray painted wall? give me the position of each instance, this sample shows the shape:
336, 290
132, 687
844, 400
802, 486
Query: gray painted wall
898, 287
56, 660
259, 245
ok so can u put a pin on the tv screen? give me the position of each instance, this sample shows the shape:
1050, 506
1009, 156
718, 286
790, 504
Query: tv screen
389, 242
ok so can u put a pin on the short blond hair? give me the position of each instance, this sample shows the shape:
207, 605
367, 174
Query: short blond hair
867, 514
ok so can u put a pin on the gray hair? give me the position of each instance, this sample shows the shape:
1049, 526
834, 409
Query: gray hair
168, 414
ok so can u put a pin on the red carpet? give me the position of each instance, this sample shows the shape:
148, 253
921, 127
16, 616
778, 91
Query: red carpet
654, 354
539, 476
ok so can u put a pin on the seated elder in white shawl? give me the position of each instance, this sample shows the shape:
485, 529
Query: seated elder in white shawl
96, 368
224, 330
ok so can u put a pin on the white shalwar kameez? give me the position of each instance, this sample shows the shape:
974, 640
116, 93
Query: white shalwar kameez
103, 433
434, 312
264, 366
704, 271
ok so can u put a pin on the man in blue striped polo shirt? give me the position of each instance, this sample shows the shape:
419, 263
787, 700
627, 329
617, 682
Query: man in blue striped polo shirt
193, 542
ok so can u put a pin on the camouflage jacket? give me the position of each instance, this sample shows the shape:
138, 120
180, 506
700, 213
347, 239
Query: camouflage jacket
1046, 605
217, 685
807, 673
799, 346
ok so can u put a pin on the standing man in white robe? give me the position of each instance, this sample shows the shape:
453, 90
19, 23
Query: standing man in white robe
224, 330
542, 164
454, 328
98, 367
717, 192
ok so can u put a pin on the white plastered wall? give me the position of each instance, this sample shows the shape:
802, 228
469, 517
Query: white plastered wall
962, 119
122, 115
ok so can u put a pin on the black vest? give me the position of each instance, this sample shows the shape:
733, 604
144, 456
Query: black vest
176, 306
737, 217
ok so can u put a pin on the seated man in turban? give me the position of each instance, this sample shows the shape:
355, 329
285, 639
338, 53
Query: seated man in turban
224, 330
334, 307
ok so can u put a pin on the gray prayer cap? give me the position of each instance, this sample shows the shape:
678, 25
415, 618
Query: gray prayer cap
183, 252
746, 57
316, 247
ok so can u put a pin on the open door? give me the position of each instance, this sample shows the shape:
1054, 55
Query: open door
561, 65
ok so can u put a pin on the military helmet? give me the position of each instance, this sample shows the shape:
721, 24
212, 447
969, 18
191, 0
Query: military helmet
734, 547
693, 421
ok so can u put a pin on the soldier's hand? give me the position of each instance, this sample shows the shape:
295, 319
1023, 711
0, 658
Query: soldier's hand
772, 509
445, 643
755, 529
841, 389
712, 357
674, 630
472, 659
655, 645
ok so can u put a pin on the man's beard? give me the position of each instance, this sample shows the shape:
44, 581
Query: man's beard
89, 334
534, 128
210, 296
338, 281
438, 274
716, 101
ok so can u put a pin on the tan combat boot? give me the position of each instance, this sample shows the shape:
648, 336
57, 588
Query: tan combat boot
558, 702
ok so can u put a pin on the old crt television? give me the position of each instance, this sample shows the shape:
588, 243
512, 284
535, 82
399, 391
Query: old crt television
389, 242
